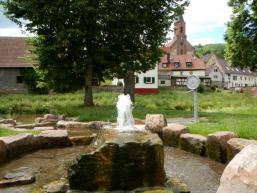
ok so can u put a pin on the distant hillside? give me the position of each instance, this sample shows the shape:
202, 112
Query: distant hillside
217, 49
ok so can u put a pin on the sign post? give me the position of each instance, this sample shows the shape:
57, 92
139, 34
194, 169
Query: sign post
193, 83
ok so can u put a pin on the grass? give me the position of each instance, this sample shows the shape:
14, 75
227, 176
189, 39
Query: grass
8, 132
225, 110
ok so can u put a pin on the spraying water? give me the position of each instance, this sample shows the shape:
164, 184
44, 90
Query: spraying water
125, 120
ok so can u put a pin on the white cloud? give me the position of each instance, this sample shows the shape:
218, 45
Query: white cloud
206, 15
14, 32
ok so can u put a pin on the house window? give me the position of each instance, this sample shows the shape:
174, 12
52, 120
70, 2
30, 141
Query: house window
163, 82
215, 69
19, 79
181, 43
176, 64
164, 65
136, 79
215, 77
181, 73
149, 80
189, 64
181, 29
241, 78
181, 52
245, 78
234, 77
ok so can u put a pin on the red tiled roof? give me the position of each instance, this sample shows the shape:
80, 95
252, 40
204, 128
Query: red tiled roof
197, 64
13, 51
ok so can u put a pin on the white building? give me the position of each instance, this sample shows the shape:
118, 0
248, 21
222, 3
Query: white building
146, 83
226, 76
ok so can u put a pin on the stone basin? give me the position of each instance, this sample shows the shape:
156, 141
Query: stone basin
124, 161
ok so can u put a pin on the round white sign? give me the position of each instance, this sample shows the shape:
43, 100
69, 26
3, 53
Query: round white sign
193, 82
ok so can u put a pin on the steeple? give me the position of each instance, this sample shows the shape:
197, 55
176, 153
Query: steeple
180, 35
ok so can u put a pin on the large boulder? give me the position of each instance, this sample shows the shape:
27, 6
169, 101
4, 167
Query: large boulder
235, 145
18, 144
240, 176
193, 143
155, 123
125, 161
52, 138
216, 146
171, 134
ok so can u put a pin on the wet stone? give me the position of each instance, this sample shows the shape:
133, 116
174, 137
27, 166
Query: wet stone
18, 144
56, 187
20, 172
43, 128
53, 138
28, 179
83, 140
124, 161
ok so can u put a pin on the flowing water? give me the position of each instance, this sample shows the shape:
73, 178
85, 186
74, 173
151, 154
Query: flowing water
200, 174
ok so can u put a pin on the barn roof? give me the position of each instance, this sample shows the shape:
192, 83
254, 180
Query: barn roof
13, 51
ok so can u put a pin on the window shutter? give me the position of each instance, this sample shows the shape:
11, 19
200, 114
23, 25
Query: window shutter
145, 80
153, 80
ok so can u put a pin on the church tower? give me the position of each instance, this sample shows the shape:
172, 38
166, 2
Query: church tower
180, 36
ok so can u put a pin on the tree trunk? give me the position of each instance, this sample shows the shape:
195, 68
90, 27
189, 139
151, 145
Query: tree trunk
129, 85
88, 98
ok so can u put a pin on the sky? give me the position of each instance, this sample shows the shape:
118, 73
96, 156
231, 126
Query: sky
205, 19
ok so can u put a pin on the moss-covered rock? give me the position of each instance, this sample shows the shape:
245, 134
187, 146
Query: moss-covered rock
124, 162
193, 143
216, 145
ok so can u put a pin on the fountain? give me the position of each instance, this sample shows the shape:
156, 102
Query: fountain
124, 161
125, 120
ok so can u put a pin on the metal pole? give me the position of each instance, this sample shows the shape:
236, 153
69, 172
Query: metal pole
195, 106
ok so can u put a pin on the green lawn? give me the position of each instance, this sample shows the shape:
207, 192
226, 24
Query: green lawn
8, 132
225, 110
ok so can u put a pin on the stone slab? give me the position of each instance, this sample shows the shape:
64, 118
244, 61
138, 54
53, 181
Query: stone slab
216, 145
171, 134
193, 143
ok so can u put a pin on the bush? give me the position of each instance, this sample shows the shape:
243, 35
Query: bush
201, 88
120, 84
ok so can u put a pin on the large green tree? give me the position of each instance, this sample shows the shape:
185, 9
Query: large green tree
241, 34
95, 36
137, 29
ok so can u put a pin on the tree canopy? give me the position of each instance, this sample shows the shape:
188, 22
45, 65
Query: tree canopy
79, 40
241, 34
217, 49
